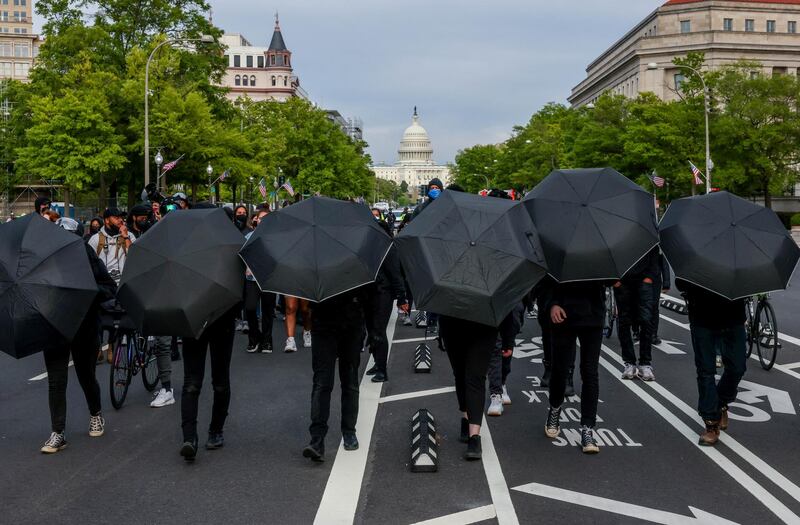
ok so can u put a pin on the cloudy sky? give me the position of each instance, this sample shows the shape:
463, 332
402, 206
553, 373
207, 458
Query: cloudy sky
474, 69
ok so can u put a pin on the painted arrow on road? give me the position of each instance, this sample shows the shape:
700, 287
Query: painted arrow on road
779, 400
668, 347
526, 350
622, 508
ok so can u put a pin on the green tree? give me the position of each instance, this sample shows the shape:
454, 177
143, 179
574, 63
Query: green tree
474, 168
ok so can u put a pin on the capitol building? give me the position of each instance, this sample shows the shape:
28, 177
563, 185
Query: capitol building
415, 163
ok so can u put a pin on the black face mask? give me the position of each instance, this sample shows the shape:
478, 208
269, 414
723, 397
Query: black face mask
240, 221
142, 225
112, 230
93, 228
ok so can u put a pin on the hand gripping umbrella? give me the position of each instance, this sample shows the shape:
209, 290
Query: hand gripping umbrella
183, 274
471, 257
594, 224
728, 245
316, 249
46, 285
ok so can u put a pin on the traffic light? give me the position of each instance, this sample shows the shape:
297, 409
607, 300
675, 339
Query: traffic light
281, 181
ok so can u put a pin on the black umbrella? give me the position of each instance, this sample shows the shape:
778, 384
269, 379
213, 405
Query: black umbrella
593, 223
471, 257
46, 285
316, 249
728, 245
184, 273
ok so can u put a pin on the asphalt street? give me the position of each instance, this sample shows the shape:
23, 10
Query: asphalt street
650, 468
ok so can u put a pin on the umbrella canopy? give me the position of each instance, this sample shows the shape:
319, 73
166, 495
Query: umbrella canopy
728, 245
316, 249
471, 257
46, 285
184, 273
593, 223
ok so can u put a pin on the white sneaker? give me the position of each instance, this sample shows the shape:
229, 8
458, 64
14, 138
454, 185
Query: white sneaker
646, 373
291, 346
630, 371
97, 426
306, 338
719, 361
163, 398
495, 405
407, 320
506, 398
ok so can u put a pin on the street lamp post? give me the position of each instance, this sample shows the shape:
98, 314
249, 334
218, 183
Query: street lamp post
653, 66
210, 171
206, 39
159, 162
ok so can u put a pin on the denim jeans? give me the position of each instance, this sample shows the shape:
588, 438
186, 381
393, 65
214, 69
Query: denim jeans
636, 303
731, 344
499, 368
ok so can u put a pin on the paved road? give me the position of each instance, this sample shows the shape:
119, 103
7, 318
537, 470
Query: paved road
650, 469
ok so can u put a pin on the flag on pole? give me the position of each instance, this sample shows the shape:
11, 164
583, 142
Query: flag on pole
658, 181
696, 172
288, 187
224, 175
262, 188
169, 165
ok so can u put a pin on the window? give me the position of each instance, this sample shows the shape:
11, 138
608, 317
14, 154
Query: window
21, 69
237, 61
272, 60
249, 61
5, 69
273, 80
770, 26
727, 24
22, 50
287, 61
792, 26
252, 80
285, 81
753, 75
6, 50
227, 60
244, 80
4, 16
261, 61
237, 80
749, 25
679, 79
686, 26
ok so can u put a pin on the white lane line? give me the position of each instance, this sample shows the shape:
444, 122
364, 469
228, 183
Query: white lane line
414, 340
340, 499
763, 495
792, 366
42, 376
465, 517
419, 393
498, 488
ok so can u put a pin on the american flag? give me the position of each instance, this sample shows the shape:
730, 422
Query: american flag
658, 181
288, 187
169, 165
224, 175
696, 172
262, 188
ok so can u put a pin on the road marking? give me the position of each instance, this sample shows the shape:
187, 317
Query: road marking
498, 488
622, 508
42, 376
729, 467
669, 348
464, 517
340, 499
414, 340
419, 393
792, 366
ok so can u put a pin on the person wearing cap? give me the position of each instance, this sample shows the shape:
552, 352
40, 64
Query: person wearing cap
111, 243
139, 220
41, 205
435, 188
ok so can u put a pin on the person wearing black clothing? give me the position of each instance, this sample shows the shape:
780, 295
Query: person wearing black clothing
576, 311
500, 361
716, 324
83, 350
259, 338
662, 285
635, 295
337, 334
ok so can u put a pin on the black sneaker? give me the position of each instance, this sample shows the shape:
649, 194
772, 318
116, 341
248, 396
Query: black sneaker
215, 441
252, 349
55, 443
552, 426
189, 449
315, 451
588, 443
473, 448
380, 377
350, 442
372, 371
266, 347
545, 382
464, 436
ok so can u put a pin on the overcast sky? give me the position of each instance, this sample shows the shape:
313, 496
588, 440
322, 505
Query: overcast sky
474, 69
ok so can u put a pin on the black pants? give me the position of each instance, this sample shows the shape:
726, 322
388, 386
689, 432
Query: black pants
84, 358
378, 311
469, 347
330, 342
499, 368
730, 343
635, 302
657, 285
591, 339
253, 297
218, 338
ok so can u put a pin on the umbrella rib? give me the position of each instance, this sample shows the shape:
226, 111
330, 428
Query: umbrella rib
45, 259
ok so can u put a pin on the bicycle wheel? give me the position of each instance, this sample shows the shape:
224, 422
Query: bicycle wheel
748, 328
149, 365
767, 340
121, 372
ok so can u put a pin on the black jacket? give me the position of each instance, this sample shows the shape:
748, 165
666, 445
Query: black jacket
666, 274
390, 279
511, 326
343, 311
648, 266
709, 310
106, 285
583, 301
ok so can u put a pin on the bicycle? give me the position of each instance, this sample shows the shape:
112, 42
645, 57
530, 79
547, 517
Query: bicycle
761, 328
132, 354
611, 313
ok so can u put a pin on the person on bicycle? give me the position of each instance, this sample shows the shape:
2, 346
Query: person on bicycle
83, 350
716, 324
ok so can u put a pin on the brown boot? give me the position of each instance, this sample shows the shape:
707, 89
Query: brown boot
723, 422
710, 437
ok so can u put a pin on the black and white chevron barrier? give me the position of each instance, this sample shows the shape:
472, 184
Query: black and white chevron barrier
424, 447
674, 306
423, 359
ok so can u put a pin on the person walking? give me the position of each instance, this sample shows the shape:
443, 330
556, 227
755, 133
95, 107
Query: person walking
576, 311
83, 350
259, 339
636, 300
500, 362
716, 325
337, 334
661, 285
291, 307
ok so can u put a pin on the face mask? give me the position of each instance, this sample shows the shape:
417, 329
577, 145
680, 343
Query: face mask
434, 193
141, 224
240, 221
94, 228
112, 230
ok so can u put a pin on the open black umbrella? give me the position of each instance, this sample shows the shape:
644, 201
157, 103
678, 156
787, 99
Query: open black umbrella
728, 245
46, 285
316, 249
184, 273
471, 257
593, 223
